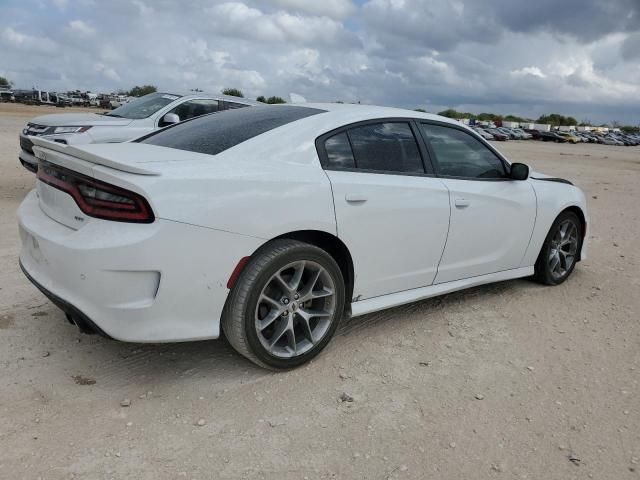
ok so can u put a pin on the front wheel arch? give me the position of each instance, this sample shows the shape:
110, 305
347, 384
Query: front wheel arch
583, 223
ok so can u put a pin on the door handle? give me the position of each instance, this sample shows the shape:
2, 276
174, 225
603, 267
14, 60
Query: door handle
355, 198
462, 202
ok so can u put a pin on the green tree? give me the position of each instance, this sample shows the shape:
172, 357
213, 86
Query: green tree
4, 82
273, 100
420, 110
233, 92
261, 99
556, 120
514, 118
138, 91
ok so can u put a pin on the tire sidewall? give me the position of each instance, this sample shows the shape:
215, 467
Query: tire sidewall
301, 252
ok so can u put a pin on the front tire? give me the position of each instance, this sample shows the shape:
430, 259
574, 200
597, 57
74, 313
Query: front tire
285, 306
560, 250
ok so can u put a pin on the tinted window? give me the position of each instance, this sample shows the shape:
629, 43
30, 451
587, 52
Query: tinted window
232, 105
459, 154
388, 147
339, 152
213, 134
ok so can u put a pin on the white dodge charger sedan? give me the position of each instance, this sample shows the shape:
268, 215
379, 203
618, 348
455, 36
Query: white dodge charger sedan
271, 224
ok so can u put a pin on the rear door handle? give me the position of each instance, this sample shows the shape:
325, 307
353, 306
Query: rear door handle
462, 203
355, 198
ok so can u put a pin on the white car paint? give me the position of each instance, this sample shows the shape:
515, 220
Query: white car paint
410, 237
108, 129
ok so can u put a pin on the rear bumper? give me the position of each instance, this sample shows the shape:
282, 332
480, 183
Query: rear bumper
75, 316
159, 282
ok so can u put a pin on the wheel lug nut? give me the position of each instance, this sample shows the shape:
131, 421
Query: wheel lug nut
285, 301
296, 296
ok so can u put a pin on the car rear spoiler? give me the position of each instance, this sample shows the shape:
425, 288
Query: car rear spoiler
42, 144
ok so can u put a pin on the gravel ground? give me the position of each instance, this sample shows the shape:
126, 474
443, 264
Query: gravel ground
512, 380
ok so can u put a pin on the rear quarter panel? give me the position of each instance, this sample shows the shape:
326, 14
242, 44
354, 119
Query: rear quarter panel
280, 189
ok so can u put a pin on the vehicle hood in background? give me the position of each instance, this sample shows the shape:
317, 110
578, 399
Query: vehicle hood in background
79, 120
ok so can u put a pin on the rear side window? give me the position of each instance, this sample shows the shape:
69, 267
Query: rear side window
386, 147
215, 133
459, 154
339, 154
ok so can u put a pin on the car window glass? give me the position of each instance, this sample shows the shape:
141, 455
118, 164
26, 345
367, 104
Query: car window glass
339, 154
143, 107
388, 147
195, 108
213, 134
232, 105
459, 154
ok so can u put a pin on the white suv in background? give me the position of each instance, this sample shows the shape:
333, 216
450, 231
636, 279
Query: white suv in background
131, 120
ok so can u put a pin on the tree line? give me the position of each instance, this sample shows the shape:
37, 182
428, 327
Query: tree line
554, 119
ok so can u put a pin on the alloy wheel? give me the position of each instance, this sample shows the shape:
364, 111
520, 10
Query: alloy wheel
564, 247
295, 309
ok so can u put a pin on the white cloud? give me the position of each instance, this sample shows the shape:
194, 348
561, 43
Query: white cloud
510, 56
81, 27
28, 43
533, 71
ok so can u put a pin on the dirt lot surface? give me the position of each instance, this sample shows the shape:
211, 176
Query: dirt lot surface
513, 380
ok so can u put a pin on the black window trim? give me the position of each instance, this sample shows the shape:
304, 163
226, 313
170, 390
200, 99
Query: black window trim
424, 153
432, 153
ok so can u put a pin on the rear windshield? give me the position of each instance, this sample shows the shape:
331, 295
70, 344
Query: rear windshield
215, 133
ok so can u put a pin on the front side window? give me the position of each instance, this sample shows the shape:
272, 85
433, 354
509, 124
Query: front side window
387, 147
459, 154
194, 108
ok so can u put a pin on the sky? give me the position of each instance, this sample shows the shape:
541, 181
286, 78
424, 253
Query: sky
525, 57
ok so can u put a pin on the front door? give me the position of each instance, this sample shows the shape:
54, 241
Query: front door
492, 216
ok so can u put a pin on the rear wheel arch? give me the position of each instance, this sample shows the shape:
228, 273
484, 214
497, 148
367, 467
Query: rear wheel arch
334, 247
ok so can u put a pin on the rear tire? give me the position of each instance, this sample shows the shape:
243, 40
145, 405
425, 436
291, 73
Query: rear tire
560, 250
285, 306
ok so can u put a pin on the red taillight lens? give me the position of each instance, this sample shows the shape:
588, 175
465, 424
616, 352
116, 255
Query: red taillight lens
95, 198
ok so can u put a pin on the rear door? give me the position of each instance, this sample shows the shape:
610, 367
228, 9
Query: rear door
492, 216
391, 212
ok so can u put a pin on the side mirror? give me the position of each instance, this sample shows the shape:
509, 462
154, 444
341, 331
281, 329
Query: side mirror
519, 171
170, 119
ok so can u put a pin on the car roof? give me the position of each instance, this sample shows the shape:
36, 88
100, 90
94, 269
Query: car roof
336, 115
215, 96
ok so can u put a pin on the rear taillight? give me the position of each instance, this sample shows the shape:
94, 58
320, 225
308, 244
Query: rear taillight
95, 198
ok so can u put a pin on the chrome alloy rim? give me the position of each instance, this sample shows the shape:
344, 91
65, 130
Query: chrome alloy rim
564, 246
295, 309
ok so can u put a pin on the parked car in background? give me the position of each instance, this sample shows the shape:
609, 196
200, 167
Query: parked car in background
271, 224
483, 133
131, 120
611, 140
568, 137
497, 134
523, 135
510, 133
552, 137
535, 134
